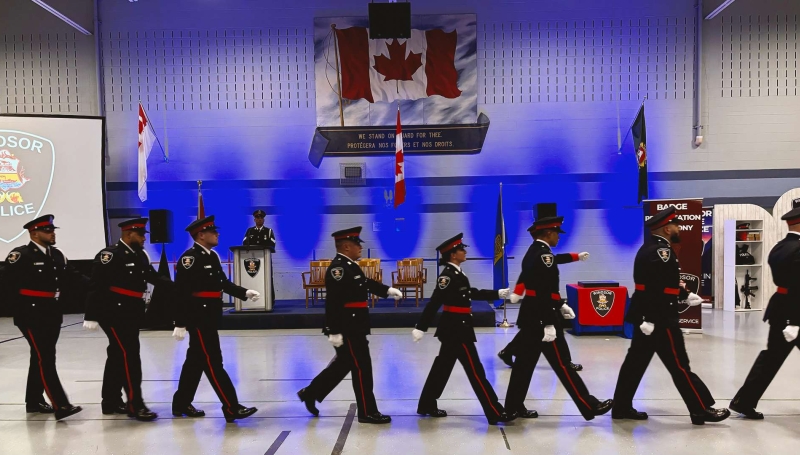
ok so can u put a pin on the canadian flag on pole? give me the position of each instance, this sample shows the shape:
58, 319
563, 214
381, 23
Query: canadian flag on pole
388, 70
399, 165
146, 139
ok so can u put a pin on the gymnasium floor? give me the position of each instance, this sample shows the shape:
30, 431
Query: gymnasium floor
268, 367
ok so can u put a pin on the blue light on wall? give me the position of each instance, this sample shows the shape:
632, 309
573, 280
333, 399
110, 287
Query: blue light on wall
300, 219
399, 229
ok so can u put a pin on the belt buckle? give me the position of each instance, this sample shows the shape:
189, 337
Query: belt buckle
58, 294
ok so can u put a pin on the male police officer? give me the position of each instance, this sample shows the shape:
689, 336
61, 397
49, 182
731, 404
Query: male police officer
347, 327
120, 274
457, 335
200, 282
540, 311
33, 276
258, 234
654, 309
783, 314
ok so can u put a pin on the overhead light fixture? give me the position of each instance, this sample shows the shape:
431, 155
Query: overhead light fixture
64, 18
719, 9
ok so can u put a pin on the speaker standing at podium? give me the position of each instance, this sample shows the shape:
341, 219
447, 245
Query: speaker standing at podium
259, 235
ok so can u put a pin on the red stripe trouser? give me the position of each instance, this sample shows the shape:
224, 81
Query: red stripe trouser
42, 375
351, 357
205, 356
123, 370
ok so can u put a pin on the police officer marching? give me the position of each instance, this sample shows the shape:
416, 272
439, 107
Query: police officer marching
200, 282
540, 311
783, 315
120, 274
347, 326
34, 274
456, 334
654, 310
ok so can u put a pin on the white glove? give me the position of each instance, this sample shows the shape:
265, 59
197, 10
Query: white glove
694, 299
179, 333
514, 298
253, 295
583, 256
549, 334
566, 312
790, 332
394, 293
336, 340
417, 334
647, 328
503, 293
90, 325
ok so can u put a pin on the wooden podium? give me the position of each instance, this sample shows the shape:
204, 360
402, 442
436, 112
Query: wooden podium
252, 269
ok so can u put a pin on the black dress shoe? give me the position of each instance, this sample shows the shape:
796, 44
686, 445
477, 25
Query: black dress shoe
631, 414
143, 415
747, 413
502, 418
603, 407
526, 414
41, 408
376, 418
240, 413
188, 411
65, 411
119, 408
310, 403
576, 366
506, 357
432, 411
710, 415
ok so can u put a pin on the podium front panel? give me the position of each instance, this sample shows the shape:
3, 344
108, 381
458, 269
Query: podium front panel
253, 269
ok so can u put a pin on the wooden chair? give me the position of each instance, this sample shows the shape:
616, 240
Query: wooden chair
314, 280
407, 277
424, 277
371, 269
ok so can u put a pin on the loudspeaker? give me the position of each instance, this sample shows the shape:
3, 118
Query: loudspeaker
160, 226
389, 20
544, 209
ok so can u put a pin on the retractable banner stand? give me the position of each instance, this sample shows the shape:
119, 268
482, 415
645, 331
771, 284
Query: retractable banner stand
706, 287
689, 252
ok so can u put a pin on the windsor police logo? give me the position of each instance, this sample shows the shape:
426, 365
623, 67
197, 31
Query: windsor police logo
548, 260
602, 301
444, 281
664, 254
337, 273
105, 256
13, 257
252, 266
187, 262
26, 173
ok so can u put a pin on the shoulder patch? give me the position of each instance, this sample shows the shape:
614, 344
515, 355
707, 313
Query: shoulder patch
548, 259
106, 256
337, 273
13, 257
443, 282
664, 254
187, 262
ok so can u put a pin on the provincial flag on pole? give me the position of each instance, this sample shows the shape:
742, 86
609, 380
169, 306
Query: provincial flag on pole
399, 165
388, 70
147, 138
201, 209
500, 262
640, 145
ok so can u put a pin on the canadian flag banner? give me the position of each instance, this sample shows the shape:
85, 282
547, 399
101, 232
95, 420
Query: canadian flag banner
146, 139
399, 165
389, 70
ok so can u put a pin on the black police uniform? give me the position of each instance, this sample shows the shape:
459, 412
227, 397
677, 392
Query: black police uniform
456, 333
120, 274
31, 283
262, 236
656, 273
783, 310
347, 313
200, 282
538, 309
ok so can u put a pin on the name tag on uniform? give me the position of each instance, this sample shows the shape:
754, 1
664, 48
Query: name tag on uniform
463, 289
207, 267
38, 263
357, 277
130, 265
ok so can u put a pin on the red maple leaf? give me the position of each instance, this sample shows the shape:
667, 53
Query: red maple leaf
397, 67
